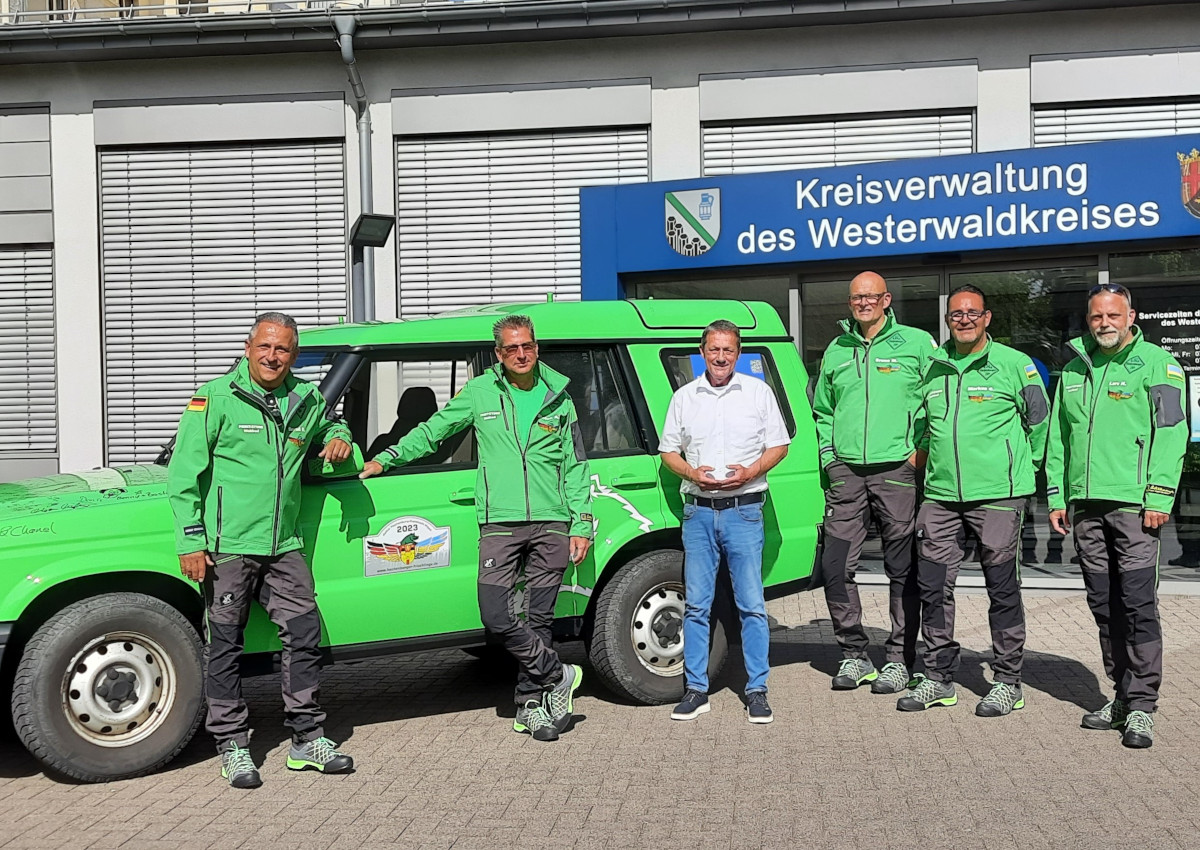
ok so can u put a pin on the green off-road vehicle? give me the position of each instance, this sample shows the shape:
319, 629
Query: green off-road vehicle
101, 636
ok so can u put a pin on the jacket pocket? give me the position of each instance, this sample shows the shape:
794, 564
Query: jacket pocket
487, 494
220, 499
1141, 444
1011, 484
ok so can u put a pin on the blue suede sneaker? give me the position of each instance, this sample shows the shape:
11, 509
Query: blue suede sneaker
757, 709
694, 704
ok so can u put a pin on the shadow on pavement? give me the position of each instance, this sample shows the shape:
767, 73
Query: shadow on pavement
1062, 678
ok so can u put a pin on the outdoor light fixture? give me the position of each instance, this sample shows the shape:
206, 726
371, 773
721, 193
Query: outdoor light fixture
371, 230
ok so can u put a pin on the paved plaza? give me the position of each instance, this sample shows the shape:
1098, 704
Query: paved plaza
439, 766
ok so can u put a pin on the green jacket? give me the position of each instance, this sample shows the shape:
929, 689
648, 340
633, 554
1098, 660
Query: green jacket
544, 477
987, 417
234, 477
1118, 431
866, 402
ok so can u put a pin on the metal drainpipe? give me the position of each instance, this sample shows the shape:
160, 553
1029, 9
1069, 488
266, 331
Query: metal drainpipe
362, 274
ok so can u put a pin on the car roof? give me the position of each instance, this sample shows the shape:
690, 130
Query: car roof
560, 321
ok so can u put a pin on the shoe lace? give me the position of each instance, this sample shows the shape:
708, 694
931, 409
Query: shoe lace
538, 718
322, 750
1139, 721
556, 703
1003, 695
927, 689
894, 673
238, 760
850, 667
1107, 712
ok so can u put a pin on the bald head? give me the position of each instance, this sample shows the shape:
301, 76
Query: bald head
869, 300
868, 281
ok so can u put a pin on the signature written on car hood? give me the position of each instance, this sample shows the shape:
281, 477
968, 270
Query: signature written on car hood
39, 497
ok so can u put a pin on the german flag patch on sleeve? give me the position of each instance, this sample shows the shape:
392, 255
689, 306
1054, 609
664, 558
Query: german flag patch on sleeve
197, 404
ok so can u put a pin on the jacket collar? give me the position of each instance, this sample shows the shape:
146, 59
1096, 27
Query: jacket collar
943, 355
850, 328
1087, 347
556, 381
243, 381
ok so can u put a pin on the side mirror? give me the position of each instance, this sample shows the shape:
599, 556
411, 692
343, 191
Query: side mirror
320, 468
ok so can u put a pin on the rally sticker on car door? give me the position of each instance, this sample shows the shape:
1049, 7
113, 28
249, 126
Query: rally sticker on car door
406, 543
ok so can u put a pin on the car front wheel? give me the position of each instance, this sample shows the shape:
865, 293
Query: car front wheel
637, 639
109, 688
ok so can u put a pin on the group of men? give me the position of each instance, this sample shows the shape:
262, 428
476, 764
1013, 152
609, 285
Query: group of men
972, 419
967, 423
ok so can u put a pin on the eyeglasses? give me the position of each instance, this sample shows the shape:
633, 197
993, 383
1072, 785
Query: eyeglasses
1114, 288
868, 299
524, 348
970, 315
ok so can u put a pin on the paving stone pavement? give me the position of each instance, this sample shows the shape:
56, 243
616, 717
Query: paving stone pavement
439, 767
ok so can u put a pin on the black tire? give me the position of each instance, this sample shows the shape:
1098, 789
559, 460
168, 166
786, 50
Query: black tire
651, 582
65, 692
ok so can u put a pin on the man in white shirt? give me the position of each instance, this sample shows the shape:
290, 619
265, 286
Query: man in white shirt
723, 433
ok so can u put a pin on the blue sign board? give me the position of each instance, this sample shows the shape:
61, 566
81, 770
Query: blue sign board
1100, 192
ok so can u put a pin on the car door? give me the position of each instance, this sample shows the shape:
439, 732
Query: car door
623, 473
396, 556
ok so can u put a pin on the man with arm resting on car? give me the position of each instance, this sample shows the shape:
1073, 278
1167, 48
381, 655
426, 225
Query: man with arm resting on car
531, 456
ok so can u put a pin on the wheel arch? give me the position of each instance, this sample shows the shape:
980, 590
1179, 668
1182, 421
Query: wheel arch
179, 595
663, 538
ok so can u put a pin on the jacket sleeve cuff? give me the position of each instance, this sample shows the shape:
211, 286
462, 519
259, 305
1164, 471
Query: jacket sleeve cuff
1056, 500
185, 544
582, 526
826, 457
1159, 501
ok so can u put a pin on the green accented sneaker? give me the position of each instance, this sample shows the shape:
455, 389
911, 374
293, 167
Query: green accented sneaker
927, 694
1112, 716
320, 754
534, 719
1139, 731
853, 672
893, 679
559, 701
1002, 699
238, 767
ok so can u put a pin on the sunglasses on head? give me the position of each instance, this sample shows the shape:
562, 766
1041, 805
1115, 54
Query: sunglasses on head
1114, 288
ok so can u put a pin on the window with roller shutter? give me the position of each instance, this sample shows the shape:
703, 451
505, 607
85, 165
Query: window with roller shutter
735, 148
28, 419
196, 241
1070, 124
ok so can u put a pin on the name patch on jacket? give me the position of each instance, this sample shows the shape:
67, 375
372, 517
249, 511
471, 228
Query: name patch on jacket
979, 394
193, 529
886, 366
251, 429
197, 404
489, 415
1159, 490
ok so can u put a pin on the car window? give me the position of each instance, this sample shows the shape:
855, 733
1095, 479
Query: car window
391, 396
685, 365
601, 399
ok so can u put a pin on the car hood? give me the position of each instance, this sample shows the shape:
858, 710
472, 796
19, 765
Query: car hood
71, 491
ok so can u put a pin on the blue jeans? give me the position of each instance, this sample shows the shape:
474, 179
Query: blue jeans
737, 534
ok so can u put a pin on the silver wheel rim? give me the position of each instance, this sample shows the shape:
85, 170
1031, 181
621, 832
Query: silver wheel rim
657, 630
119, 689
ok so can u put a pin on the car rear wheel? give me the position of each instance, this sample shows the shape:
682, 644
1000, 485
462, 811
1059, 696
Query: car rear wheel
109, 688
637, 639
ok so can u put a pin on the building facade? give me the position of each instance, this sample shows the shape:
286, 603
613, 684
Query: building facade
168, 172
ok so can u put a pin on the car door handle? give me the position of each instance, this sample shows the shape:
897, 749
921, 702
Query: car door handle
463, 497
633, 481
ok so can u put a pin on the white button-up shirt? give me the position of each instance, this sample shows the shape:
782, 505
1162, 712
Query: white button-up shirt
717, 426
